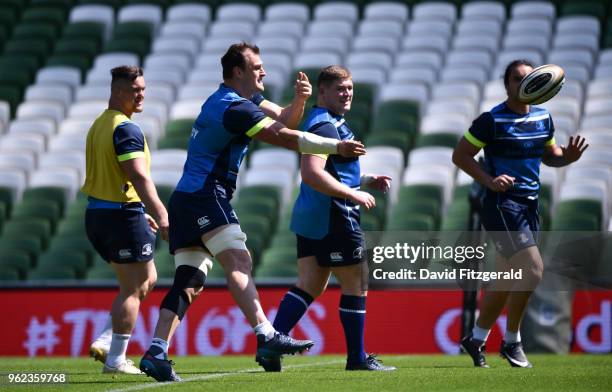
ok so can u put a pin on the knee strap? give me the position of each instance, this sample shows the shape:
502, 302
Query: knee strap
177, 300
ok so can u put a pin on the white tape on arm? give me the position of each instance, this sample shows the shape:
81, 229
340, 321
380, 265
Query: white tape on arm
309, 143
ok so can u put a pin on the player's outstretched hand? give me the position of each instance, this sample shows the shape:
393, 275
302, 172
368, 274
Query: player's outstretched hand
363, 199
351, 148
303, 88
379, 182
501, 183
575, 148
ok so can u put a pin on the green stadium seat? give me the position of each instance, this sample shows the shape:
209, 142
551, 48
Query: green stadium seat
75, 260
421, 191
164, 192
44, 194
29, 244
370, 222
420, 206
45, 14
575, 222
17, 260
164, 263
284, 238
43, 31
116, 4
90, 31
180, 127
55, 272
16, 78
583, 7
400, 139
9, 274
137, 46
40, 228
569, 208
254, 191
436, 139
38, 48
8, 16
173, 142
70, 243
130, 30
85, 47
45, 209
263, 207
411, 222
12, 95
278, 262
396, 116
71, 226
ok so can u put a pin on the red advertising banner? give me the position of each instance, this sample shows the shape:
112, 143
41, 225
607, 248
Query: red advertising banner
64, 321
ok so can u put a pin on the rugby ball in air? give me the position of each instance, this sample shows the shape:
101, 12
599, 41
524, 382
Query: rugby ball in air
541, 84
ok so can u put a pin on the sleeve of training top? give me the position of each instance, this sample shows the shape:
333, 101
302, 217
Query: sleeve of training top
245, 118
324, 129
129, 141
481, 130
551, 132
257, 99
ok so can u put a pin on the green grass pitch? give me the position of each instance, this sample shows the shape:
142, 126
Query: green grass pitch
326, 373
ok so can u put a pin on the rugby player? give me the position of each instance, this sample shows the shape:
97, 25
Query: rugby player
516, 138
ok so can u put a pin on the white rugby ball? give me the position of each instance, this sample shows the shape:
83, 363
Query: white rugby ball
541, 84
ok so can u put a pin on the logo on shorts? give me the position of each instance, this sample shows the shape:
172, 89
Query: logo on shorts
336, 256
203, 221
125, 253
147, 250
523, 238
357, 253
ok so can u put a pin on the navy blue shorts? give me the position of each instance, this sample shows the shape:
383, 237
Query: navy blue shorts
513, 223
335, 249
194, 214
121, 236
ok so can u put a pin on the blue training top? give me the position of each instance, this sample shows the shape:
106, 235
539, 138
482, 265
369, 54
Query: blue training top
219, 140
315, 214
513, 145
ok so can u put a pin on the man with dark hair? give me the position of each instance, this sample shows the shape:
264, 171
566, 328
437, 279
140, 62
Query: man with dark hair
516, 138
326, 222
204, 224
118, 183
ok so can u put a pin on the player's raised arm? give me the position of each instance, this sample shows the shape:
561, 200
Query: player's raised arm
558, 156
278, 134
290, 115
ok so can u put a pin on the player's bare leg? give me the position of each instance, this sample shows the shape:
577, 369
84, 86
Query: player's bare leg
136, 280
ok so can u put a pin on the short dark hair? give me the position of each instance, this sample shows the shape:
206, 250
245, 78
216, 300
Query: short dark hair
332, 73
512, 65
126, 72
234, 57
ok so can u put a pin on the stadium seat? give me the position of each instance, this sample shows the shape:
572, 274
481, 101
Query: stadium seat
52, 272
287, 11
17, 260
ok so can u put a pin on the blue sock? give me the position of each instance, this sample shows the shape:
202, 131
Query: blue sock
352, 314
291, 309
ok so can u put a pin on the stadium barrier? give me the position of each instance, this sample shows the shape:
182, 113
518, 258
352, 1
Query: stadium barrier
63, 321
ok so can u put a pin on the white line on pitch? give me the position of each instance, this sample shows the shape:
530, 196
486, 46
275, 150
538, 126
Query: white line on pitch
218, 375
